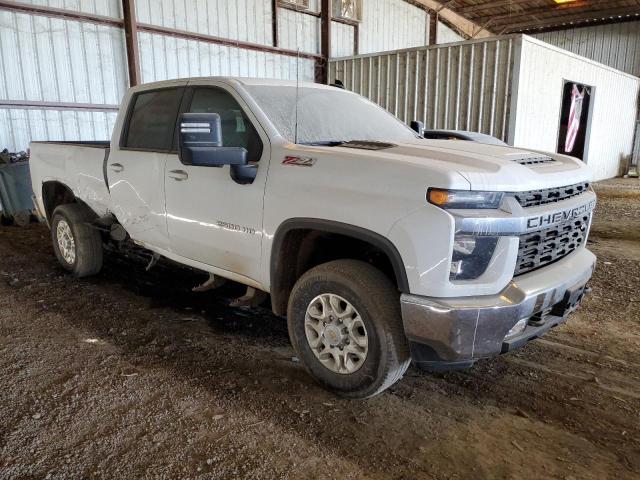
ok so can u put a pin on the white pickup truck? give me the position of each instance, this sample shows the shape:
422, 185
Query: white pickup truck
378, 245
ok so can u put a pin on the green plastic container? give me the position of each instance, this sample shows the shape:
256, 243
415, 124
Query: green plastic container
15, 192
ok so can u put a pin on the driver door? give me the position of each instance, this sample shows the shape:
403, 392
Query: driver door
210, 218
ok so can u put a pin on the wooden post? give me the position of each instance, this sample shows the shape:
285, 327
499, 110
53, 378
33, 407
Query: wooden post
433, 28
131, 38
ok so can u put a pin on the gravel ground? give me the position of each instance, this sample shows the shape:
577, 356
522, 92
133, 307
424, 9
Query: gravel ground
130, 375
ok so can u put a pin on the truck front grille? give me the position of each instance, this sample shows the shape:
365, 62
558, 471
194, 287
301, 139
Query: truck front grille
543, 247
550, 195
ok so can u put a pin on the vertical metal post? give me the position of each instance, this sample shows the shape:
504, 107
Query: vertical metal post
274, 21
131, 38
322, 71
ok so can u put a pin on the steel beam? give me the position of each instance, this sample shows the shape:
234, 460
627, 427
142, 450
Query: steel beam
145, 27
322, 66
131, 39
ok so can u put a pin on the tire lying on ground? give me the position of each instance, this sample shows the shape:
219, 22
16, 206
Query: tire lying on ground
345, 325
77, 245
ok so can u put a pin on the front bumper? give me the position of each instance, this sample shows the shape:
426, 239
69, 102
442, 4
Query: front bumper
455, 332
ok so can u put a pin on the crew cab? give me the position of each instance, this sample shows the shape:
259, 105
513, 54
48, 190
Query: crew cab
378, 245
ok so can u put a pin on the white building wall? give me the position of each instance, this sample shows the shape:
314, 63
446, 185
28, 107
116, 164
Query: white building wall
298, 31
244, 20
616, 44
447, 35
543, 68
164, 57
391, 25
107, 8
342, 39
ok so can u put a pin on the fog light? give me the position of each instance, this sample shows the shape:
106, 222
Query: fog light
517, 328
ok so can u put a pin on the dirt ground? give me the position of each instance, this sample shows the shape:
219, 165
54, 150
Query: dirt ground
130, 375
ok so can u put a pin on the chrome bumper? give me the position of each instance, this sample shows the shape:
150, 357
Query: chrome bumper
459, 331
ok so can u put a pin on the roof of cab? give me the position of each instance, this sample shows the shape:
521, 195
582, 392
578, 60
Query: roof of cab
235, 80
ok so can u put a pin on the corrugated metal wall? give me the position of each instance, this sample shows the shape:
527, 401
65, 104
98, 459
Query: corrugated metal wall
245, 20
298, 31
447, 35
164, 57
107, 8
465, 86
342, 39
616, 45
46, 59
55, 60
543, 69
392, 24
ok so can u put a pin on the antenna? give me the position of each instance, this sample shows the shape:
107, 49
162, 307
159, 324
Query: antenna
295, 135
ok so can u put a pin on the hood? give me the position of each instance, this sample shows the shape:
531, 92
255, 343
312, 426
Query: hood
487, 167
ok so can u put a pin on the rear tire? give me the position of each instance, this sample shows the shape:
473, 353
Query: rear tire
77, 245
325, 305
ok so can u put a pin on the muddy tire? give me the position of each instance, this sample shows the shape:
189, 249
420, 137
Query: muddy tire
77, 245
345, 325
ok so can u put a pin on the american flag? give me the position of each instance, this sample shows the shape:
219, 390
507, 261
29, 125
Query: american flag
574, 118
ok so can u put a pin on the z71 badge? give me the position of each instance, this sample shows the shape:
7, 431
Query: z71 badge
299, 161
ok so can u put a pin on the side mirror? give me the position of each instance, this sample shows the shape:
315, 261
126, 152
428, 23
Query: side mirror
200, 144
417, 126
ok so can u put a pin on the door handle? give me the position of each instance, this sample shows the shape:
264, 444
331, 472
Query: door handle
178, 175
116, 167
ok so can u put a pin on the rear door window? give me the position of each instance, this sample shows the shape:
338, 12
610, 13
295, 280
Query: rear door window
152, 119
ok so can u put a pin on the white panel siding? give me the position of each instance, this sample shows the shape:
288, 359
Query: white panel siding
55, 60
298, 31
447, 35
342, 39
107, 8
462, 87
20, 126
391, 25
614, 105
616, 45
244, 20
164, 57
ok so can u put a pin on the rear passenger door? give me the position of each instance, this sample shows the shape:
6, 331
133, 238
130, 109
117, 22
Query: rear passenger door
212, 219
135, 170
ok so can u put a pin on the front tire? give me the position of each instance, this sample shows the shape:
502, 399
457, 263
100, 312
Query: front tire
345, 325
77, 245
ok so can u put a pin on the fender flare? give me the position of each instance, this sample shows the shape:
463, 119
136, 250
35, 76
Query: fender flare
330, 226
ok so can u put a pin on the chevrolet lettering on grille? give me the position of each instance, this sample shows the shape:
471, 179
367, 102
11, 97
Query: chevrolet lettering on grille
557, 217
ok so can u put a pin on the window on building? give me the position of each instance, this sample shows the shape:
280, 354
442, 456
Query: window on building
348, 9
152, 119
237, 129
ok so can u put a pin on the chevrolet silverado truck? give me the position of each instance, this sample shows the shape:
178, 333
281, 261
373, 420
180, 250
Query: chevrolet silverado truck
379, 246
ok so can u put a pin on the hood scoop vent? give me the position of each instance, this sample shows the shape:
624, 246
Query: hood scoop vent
367, 145
534, 160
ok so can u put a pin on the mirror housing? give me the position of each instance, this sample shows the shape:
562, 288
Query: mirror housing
417, 126
200, 144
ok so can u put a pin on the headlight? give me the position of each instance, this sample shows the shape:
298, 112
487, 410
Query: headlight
464, 198
471, 256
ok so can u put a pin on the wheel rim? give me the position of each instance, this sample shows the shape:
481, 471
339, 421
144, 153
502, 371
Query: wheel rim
66, 243
336, 333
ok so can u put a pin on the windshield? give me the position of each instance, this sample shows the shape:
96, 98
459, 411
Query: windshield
327, 116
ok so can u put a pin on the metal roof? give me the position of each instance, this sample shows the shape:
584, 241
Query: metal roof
530, 16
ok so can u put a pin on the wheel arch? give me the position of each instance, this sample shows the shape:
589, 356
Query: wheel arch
285, 268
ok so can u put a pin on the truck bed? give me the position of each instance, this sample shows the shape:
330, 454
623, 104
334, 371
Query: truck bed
78, 165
